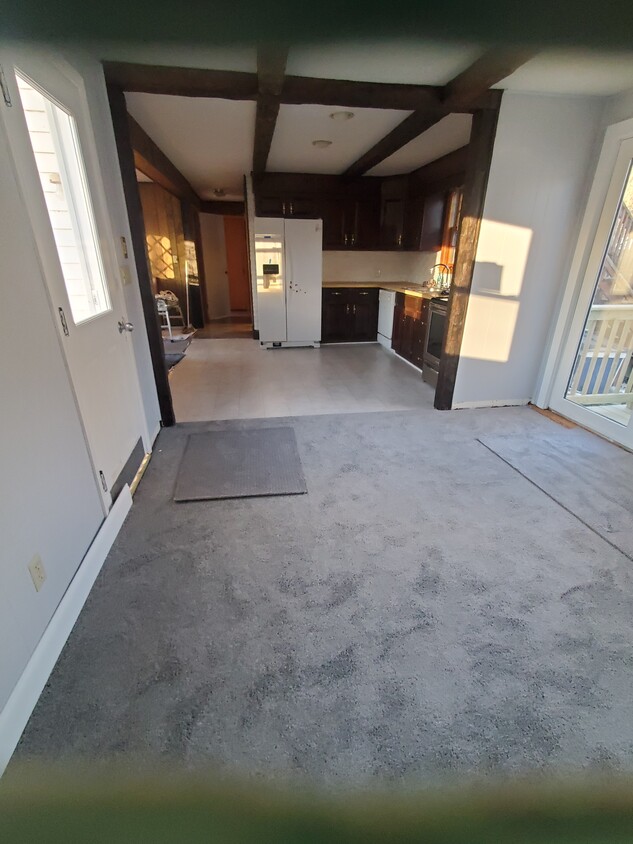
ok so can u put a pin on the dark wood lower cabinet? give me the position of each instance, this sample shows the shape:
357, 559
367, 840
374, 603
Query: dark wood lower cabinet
410, 319
349, 315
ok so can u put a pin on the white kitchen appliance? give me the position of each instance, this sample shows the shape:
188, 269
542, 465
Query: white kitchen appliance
289, 263
387, 303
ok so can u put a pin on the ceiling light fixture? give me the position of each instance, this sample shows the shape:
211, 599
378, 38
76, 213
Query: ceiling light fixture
341, 115
321, 144
219, 192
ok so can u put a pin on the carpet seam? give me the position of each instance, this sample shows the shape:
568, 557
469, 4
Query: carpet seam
556, 501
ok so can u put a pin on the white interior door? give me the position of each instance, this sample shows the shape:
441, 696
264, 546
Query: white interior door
594, 382
53, 149
304, 274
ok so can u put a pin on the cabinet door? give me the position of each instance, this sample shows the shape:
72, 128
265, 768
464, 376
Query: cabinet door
269, 205
333, 223
392, 223
305, 207
433, 223
417, 344
398, 323
365, 313
413, 223
366, 229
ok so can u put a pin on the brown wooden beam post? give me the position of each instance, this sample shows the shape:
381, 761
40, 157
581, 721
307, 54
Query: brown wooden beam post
477, 170
125, 152
271, 69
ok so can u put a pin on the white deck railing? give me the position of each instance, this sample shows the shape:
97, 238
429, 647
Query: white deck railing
603, 372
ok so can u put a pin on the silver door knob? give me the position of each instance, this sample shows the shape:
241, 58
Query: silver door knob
125, 326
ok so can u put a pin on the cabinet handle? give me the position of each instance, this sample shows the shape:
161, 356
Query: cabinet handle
292, 210
345, 240
353, 239
399, 240
347, 309
335, 293
354, 309
283, 208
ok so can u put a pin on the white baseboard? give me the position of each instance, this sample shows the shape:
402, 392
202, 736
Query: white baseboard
17, 711
470, 405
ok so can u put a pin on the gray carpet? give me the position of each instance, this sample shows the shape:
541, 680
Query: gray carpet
423, 613
240, 464
585, 474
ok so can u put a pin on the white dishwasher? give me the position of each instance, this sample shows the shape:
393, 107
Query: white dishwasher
386, 304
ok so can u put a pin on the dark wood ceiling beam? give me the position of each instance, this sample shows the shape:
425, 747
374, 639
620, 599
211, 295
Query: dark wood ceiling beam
480, 76
306, 90
460, 93
153, 162
410, 128
182, 81
297, 90
227, 208
271, 70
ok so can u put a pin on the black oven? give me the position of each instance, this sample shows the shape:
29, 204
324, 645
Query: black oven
434, 338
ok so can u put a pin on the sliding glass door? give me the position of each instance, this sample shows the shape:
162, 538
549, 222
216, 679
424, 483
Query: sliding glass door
594, 385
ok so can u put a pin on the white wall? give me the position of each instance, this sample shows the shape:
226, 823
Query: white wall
215, 269
412, 267
543, 160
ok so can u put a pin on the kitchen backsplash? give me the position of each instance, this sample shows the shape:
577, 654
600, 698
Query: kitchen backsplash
413, 267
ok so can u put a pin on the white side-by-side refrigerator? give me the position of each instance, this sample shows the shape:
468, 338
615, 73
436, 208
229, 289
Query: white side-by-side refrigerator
289, 264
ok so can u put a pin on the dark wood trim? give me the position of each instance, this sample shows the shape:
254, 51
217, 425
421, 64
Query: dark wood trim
306, 90
216, 206
296, 90
489, 69
412, 126
265, 122
152, 161
181, 81
477, 171
460, 93
125, 153
271, 69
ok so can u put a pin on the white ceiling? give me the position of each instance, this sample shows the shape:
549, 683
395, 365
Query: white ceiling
449, 134
209, 141
573, 72
401, 61
297, 126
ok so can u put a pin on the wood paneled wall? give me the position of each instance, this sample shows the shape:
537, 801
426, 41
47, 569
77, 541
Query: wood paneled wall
165, 239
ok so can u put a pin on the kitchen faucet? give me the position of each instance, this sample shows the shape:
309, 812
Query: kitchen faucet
443, 275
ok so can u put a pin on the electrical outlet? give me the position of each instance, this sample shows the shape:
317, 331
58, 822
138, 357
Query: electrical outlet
37, 572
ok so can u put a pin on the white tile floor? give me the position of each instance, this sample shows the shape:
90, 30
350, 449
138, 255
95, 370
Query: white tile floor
238, 379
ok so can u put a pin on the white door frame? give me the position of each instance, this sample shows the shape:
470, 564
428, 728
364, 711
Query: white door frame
40, 61
579, 290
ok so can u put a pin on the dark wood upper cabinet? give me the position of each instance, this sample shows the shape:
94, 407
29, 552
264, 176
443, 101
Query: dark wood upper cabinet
392, 213
432, 227
393, 202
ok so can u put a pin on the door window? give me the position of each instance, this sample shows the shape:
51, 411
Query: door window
55, 144
602, 374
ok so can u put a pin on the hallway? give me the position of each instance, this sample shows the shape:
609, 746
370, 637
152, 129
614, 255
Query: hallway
238, 379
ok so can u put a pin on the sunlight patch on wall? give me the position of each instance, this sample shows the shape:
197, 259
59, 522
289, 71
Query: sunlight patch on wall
502, 256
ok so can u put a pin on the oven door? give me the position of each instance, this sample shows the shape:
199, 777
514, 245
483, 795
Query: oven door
434, 340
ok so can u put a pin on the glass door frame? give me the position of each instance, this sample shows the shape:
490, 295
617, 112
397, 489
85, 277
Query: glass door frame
602, 206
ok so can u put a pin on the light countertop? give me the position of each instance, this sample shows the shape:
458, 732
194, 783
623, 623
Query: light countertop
397, 286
